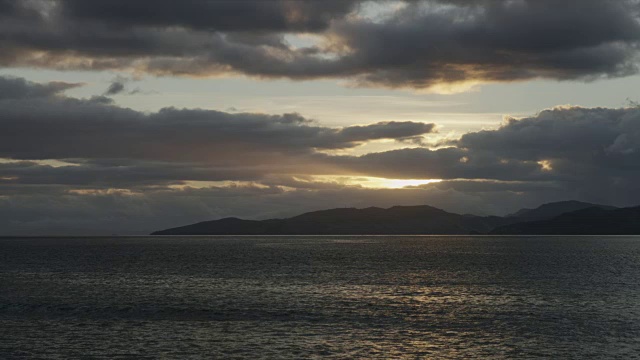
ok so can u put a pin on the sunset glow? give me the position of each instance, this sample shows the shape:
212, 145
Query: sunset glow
124, 116
304, 179
399, 183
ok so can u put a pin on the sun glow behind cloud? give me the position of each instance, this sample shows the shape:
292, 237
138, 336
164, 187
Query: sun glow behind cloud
402, 183
358, 181
375, 182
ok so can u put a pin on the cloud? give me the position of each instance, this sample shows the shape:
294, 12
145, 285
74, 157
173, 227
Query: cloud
219, 15
120, 174
54, 210
576, 133
116, 165
454, 42
446, 163
592, 152
387, 130
18, 88
428, 44
57, 127
119, 86
115, 88
174, 145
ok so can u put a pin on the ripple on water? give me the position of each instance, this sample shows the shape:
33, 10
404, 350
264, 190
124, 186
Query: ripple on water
314, 297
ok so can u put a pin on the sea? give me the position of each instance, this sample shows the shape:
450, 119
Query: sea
329, 297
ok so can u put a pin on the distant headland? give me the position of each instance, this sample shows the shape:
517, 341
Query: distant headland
558, 218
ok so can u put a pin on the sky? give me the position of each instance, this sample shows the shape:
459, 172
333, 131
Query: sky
120, 117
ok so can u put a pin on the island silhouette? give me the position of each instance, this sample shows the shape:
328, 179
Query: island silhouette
557, 218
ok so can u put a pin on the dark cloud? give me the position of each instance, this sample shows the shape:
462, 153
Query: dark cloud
121, 174
18, 88
427, 44
118, 86
594, 151
424, 44
115, 88
66, 128
219, 15
591, 150
447, 163
387, 130
7, 6
77, 128
597, 135
140, 169
562, 144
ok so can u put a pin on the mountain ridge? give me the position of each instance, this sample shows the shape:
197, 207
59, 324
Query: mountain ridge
398, 220
422, 219
590, 221
553, 209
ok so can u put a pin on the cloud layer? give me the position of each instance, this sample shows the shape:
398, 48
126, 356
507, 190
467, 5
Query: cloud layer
412, 44
38, 125
76, 163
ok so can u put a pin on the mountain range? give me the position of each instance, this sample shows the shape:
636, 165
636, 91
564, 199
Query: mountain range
561, 218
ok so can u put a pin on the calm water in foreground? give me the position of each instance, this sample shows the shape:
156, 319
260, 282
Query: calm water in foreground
320, 297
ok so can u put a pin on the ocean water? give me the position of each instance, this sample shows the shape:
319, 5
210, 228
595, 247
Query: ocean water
320, 297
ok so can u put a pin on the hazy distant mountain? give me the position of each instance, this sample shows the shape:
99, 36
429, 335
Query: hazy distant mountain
590, 221
551, 210
561, 218
346, 221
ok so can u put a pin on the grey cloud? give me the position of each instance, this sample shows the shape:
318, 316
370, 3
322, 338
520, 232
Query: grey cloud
446, 163
18, 88
495, 41
496, 186
387, 130
174, 145
63, 128
119, 86
125, 165
425, 44
598, 136
121, 174
115, 88
594, 152
583, 148
7, 7
220, 15
21, 9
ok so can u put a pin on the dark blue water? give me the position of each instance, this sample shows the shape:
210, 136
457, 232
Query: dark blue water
320, 297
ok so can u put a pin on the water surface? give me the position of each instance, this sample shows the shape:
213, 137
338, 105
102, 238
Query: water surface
320, 297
